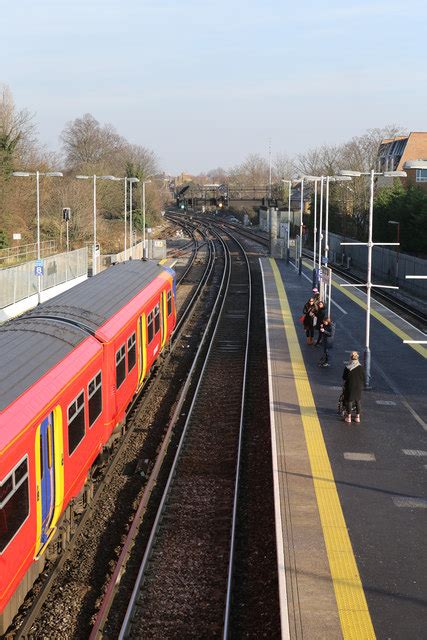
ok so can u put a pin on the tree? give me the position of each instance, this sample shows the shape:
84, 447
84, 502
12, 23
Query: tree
16, 132
88, 145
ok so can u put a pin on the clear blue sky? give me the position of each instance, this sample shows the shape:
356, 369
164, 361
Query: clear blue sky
203, 84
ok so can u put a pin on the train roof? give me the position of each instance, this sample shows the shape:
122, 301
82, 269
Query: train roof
34, 343
96, 300
28, 350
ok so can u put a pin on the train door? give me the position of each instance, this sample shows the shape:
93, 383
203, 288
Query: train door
47, 476
163, 318
49, 462
142, 349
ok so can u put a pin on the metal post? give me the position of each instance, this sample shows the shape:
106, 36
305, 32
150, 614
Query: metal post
143, 220
94, 270
315, 235
38, 234
398, 251
300, 227
320, 222
327, 222
126, 213
368, 287
130, 218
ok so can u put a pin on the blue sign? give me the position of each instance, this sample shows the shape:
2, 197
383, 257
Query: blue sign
324, 260
39, 262
38, 270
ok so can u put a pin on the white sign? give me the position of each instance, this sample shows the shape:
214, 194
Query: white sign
16, 236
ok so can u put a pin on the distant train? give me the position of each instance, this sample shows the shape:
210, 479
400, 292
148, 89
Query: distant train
68, 372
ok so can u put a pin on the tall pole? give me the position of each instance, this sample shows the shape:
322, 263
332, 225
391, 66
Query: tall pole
327, 222
301, 226
369, 286
315, 235
320, 222
126, 213
398, 250
38, 233
269, 154
143, 219
289, 220
94, 269
130, 219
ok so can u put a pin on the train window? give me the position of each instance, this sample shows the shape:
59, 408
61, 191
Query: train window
157, 318
14, 503
120, 365
94, 394
150, 326
131, 352
169, 301
76, 422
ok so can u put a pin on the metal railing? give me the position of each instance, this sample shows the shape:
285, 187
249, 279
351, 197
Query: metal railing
20, 282
25, 252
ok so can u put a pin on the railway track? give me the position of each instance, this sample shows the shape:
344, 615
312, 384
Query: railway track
407, 311
187, 562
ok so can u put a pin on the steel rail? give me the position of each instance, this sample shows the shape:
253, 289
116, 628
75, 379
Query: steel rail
109, 595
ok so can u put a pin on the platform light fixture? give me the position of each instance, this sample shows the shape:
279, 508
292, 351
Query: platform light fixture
370, 244
95, 178
37, 174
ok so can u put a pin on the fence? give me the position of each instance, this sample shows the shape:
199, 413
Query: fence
18, 283
384, 263
25, 252
155, 250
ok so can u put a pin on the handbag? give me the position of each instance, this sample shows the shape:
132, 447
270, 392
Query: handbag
302, 318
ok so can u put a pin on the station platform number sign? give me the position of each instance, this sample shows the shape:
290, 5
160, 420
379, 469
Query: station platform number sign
38, 268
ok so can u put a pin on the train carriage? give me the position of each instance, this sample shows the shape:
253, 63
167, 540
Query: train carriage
69, 370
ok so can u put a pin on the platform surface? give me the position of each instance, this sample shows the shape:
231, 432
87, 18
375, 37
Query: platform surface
351, 500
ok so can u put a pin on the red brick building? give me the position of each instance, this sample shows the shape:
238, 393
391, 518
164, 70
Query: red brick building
406, 153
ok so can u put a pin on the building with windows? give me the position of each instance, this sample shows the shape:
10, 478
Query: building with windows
406, 153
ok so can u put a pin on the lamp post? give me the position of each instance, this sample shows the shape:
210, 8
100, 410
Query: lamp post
397, 248
144, 182
95, 178
370, 244
131, 182
289, 183
316, 179
37, 174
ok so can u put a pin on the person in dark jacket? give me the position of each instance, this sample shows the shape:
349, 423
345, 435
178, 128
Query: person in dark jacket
320, 316
327, 329
309, 314
354, 381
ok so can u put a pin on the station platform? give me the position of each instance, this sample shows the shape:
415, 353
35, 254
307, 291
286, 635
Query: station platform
350, 499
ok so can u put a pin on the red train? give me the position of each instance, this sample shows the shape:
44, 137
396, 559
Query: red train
68, 371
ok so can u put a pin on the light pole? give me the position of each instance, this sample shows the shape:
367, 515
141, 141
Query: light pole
370, 244
131, 182
397, 248
37, 174
315, 179
301, 181
289, 183
95, 178
144, 182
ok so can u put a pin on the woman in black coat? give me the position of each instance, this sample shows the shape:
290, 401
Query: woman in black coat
320, 316
354, 381
309, 312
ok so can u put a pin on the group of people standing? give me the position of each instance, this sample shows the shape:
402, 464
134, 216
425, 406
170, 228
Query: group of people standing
316, 321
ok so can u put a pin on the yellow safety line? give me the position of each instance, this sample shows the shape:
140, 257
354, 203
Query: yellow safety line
353, 610
376, 314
